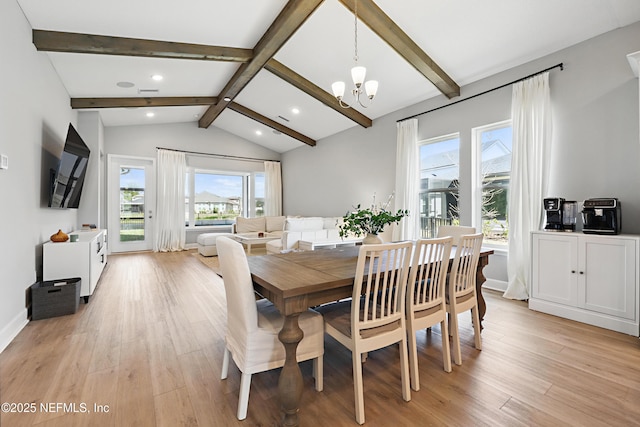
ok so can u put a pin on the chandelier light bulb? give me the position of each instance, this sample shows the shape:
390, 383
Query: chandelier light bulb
338, 89
357, 74
371, 87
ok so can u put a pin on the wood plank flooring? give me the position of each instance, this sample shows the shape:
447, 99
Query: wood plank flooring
147, 351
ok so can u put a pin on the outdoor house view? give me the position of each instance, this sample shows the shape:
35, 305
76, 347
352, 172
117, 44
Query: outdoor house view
439, 181
211, 199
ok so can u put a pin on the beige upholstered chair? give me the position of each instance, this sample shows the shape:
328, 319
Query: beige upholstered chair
377, 318
253, 326
461, 290
426, 298
455, 231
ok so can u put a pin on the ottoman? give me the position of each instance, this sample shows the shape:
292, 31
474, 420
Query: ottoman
207, 243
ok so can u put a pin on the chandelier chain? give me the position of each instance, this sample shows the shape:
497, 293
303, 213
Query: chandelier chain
355, 25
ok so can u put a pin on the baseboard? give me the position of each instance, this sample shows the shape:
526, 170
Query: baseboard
496, 285
14, 327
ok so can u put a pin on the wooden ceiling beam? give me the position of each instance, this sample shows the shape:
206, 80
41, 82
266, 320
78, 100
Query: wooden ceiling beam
186, 101
270, 123
373, 17
292, 16
55, 41
159, 101
316, 92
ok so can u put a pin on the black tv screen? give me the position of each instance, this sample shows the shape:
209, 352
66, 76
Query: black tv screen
66, 186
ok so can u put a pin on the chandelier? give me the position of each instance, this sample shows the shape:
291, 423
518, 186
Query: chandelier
358, 74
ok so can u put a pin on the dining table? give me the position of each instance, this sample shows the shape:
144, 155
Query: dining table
299, 280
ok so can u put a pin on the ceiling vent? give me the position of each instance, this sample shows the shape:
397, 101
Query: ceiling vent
283, 118
147, 91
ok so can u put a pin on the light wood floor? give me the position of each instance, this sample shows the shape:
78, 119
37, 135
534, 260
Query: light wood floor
147, 350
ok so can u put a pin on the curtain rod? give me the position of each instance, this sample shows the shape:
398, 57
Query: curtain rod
560, 65
220, 156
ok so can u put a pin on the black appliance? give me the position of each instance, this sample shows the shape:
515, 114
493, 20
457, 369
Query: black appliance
601, 216
561, 214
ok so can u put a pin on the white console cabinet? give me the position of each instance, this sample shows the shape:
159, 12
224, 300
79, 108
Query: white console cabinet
588, 278
85, 258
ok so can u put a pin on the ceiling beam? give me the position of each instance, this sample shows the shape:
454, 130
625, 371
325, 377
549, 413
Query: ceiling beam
186, 101
315, 91
159, 101
373, 17
270, 123
292, 16
55, 41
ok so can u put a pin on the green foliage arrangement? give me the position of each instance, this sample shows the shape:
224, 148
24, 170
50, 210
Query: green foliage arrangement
371, 220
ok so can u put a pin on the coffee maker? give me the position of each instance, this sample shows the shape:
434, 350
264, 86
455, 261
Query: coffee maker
602, 216
561, 214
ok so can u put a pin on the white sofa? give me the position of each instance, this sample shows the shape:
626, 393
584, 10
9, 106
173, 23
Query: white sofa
270, 225
314, 229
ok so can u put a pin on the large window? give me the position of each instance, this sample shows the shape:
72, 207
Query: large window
439, 179
493, 148
217, 198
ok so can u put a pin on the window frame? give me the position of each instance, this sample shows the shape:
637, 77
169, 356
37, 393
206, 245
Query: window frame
477, 178
434, 140
248, 205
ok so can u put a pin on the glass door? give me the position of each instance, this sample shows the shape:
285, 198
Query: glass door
131, 203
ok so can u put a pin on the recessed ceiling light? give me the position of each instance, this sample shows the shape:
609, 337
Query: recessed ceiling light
157, 77
151, 114
226, 99
258, 132
294, 110
125, 85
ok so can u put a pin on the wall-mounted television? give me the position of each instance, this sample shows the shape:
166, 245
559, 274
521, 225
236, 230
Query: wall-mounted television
68, 178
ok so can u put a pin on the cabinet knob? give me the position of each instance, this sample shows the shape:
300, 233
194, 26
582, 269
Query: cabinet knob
582, 272
573, 272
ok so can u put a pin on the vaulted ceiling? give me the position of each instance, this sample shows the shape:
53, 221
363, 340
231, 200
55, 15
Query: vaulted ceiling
245, 65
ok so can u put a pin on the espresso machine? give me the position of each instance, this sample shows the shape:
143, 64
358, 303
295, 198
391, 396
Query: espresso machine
601, 216
561, 214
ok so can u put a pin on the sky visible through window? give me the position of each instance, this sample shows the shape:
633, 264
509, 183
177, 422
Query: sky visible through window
226, 185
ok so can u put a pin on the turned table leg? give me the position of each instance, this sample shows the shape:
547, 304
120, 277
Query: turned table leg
290, 382
480, 279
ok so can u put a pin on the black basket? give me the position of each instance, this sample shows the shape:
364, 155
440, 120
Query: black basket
54, 298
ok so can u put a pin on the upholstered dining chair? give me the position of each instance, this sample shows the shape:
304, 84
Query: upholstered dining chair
454, 231
461, 290
252, 326
426, 298
374, 318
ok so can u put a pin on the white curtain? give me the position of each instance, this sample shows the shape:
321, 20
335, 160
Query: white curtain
272, 189
407, 180
531, 115
170, 214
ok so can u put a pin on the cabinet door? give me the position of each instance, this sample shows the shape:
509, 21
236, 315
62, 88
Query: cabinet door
555, 260
608, 282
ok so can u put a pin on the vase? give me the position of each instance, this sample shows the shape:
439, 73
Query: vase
371, 239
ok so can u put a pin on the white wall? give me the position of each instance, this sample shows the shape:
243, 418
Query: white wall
34, 116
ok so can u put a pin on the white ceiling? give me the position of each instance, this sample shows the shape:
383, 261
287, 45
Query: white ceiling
468, 39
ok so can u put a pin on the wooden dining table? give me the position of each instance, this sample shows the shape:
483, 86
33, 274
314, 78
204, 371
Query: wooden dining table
296, 281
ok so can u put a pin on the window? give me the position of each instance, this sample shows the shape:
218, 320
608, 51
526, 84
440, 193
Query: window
214, 198
493, 147
259, 194
439, 180
132, 185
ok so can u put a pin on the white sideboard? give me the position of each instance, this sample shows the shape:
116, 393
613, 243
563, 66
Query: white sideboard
85, 258
588, 278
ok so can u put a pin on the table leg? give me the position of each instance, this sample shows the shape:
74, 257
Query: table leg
290, 382
480, 279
